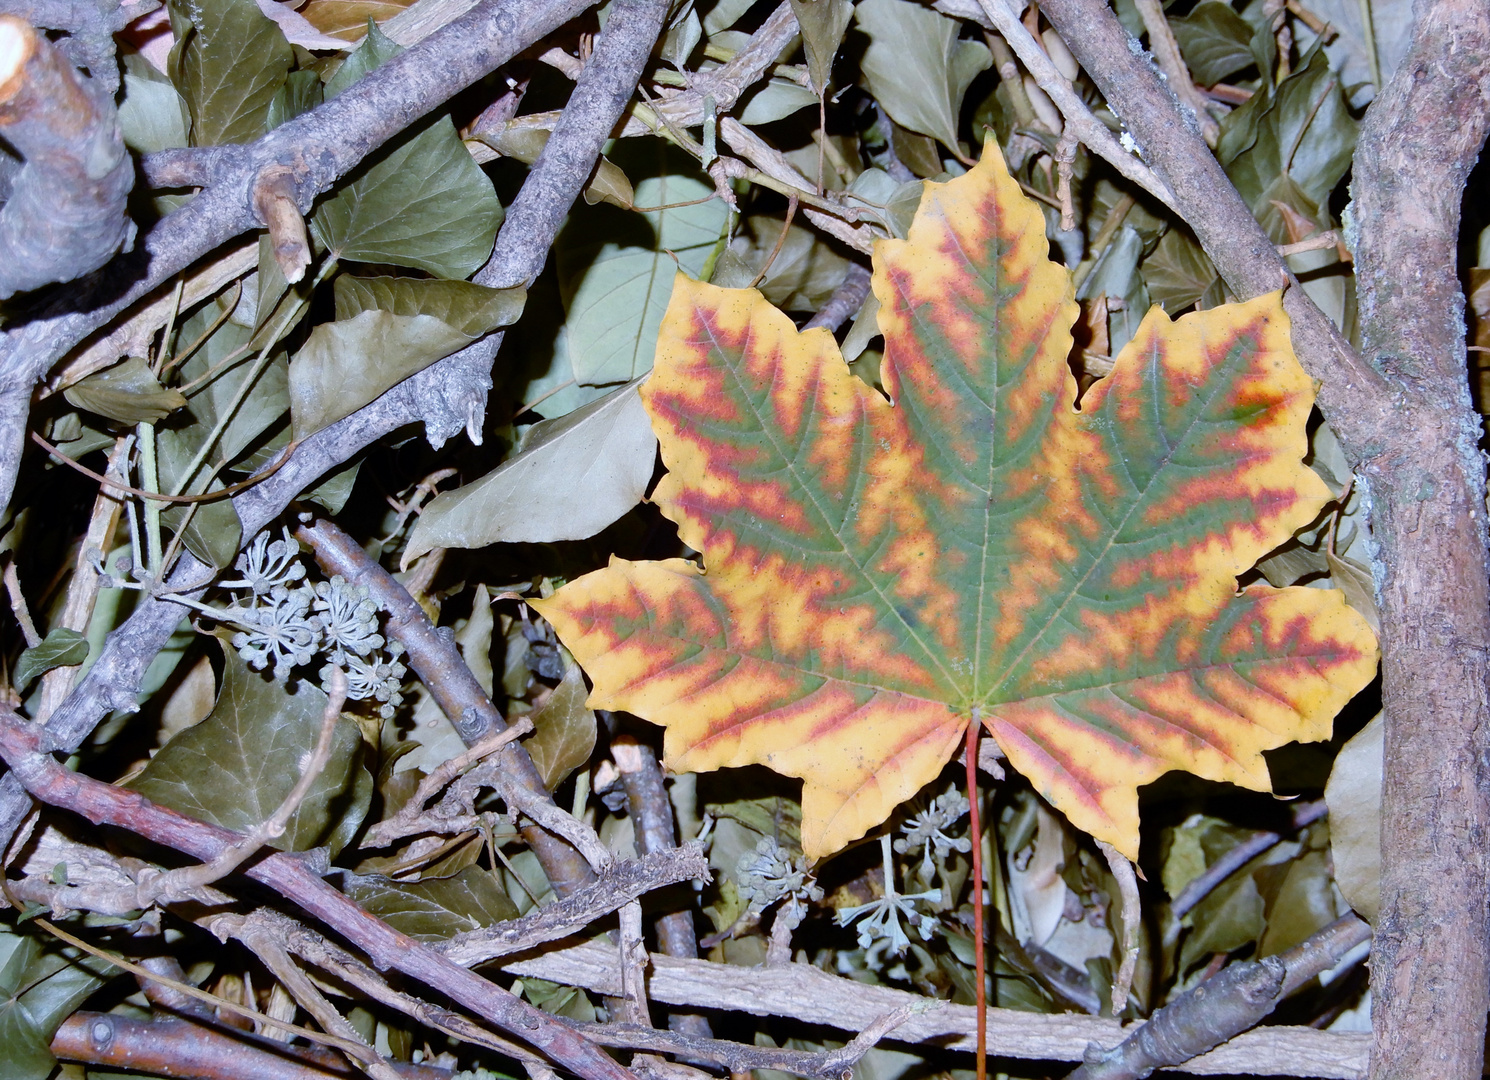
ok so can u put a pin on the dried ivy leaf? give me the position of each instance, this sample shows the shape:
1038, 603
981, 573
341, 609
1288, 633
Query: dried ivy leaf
1214, 40
60, 648
563, 730
40, 987
347, 19
229, 62
1301, 129
469, 309
236, 767
434, 909
128, 392
877, 576
916, 66
570, 478
348, 363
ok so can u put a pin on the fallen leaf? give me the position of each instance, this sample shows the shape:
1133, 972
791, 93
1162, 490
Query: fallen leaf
1354, 798
571, 478
877, 575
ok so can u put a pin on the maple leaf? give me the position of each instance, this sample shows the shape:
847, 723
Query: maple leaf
878, 573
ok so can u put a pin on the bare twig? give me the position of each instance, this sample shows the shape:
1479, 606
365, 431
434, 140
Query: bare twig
619, 884
298, 882
1132, 920
407, 820
539, 805
18, 605
633, 966
169, 1047
1088, 128
269, 949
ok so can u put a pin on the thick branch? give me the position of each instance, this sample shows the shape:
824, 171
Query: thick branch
806, 994
181, 1048
1430, 970
65, 215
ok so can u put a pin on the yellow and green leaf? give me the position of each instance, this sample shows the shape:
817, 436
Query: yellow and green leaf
876, 574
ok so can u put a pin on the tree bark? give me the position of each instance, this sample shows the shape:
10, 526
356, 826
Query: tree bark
1430, 968
1409, 429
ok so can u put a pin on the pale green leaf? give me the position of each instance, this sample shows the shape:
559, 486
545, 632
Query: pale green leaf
773, 100
616, 271
571, 478
153, 115
916, 67
349, 363
128, 392
823, 23
468, 308
1354, 798
235, 768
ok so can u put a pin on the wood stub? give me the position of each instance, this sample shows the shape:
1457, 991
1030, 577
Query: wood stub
17, 47
274, 203
66, 213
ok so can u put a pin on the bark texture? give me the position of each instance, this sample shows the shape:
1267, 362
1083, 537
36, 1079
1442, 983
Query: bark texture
1409, 429
65, 215
1430, 969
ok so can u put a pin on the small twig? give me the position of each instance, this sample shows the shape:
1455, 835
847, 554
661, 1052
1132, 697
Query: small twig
155, 496
1314, 243
740, 1058
1197, 890
1088, 128
542, 810
622, 882
18, 605
633, 966
786, 228
1132, 919
189, 990
1065, 161
405, 821
845, 302
268, 948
